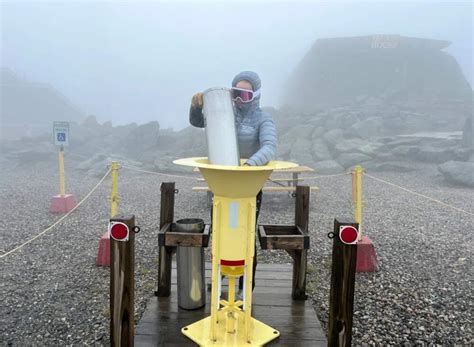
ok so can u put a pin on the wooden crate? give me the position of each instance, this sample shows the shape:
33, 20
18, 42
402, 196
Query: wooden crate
288, 237
169, 237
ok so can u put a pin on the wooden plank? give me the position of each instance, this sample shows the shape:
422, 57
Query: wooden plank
282, 276
341, 297
285, 179
165, 256
285, 189
288, 237
302, 207
122, 286
172, 238
262, 266
268, 180
286, 242
265, 189
300, 255
287, 325
283, 285
169, 304
298, 169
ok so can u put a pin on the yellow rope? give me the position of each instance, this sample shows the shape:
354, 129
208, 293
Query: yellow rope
421, 195
59, 220
157, 173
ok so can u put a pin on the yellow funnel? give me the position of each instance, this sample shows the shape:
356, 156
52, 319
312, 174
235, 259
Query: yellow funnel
235, 181
233, 241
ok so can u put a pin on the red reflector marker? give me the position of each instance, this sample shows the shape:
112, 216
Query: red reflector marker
118, 231
348, 234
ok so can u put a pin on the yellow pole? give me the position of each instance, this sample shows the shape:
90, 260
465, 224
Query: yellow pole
62, 185
358, 205
114, 196
215, 270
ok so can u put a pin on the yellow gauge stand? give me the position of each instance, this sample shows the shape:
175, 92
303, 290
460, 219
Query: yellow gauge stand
233, 244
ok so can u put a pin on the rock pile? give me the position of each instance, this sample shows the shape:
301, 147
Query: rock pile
334, 140
331, 141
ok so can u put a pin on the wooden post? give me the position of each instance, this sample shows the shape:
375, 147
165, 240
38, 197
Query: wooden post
122, 286
341, 299
300, 256
165, 253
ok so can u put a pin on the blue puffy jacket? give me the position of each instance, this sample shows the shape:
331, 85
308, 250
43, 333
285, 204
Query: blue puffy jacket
256, 133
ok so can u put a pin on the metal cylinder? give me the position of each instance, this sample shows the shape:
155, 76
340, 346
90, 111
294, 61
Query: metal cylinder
190, 268
220, 127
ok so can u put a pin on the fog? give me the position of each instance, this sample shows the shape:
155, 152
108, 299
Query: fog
142, 61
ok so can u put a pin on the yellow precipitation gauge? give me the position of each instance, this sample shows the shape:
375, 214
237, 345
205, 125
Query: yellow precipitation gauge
233, 241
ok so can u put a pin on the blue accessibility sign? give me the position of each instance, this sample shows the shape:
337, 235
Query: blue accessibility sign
61, 133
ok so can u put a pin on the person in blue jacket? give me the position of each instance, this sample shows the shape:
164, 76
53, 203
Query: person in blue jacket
256, 131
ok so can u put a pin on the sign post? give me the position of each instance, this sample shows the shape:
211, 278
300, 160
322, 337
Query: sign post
63, 202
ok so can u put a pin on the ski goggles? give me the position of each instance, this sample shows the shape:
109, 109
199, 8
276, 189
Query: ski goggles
244, 95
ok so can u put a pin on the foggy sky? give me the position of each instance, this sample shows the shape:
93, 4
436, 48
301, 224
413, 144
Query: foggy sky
142, 61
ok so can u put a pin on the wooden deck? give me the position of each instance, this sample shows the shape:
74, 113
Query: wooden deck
272, 304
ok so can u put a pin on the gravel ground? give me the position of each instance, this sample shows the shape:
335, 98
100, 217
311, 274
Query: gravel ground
53, 294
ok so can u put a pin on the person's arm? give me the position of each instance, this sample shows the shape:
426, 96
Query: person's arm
196, 118
268, 143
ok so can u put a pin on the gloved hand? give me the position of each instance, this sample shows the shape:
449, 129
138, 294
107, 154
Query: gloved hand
197, 100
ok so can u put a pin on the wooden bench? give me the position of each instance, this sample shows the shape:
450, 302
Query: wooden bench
265, 189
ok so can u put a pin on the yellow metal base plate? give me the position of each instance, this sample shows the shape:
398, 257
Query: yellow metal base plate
200, 332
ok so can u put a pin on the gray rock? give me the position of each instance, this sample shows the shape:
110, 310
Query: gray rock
367, 128
41, 152
334, 121
393, 142
402, 151
357, 145
350, 159
467, 133
349, 120
458, 172
318, 133
327, 167
283, 149
432, 154
393, 125
333, 136
91, 122
296, 132
301, 151
89, 163
320, 151
463, 154
390, 166
418, 122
